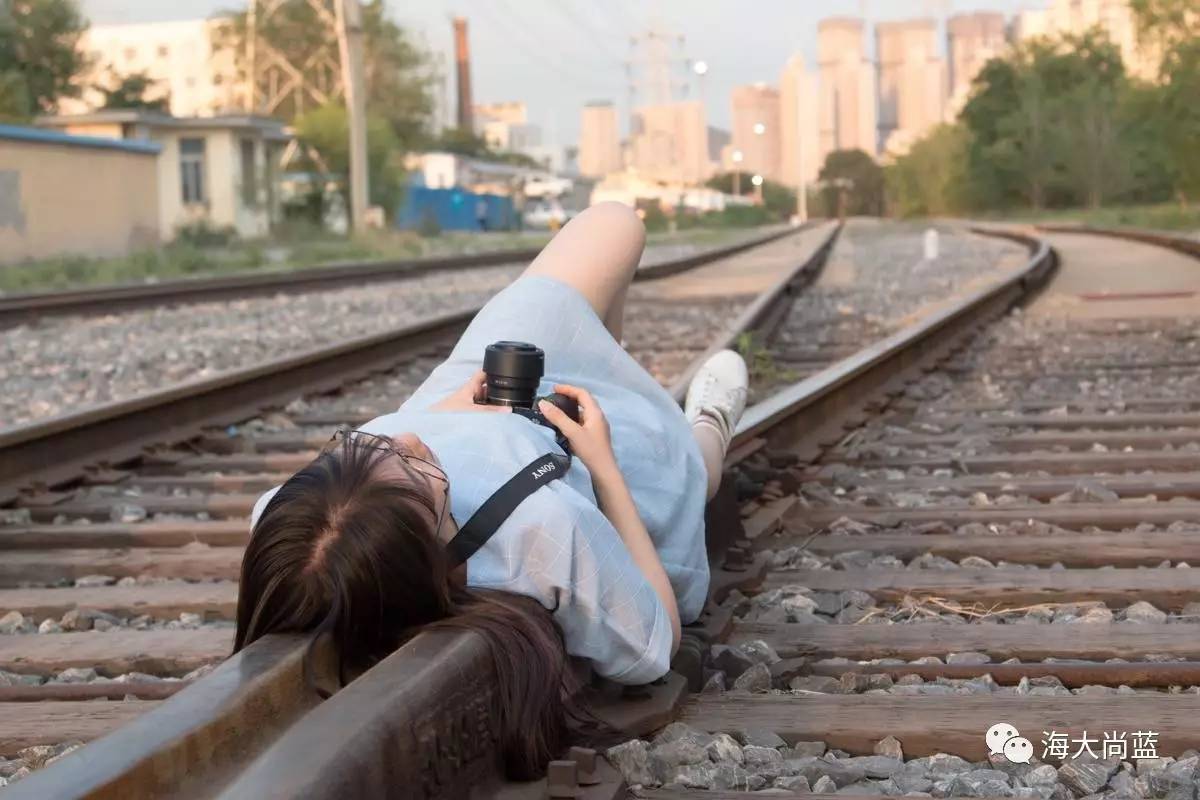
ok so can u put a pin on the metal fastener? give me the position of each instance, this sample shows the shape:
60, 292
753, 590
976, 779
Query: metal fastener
562, 780
585, 761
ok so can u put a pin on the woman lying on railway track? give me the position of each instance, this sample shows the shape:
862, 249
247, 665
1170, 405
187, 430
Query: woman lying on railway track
601, 564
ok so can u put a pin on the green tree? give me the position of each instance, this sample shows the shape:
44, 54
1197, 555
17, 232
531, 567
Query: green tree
1043, 123
1167, 24
931, 179
399, 73
1173, 26
461, 141
1030, 136
779, 201
130, 91
39, 58
857, 174
326, 130
1181, 112
1087, 111
1143, 149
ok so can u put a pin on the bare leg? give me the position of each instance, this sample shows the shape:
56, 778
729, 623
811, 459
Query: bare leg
597, 253
712, 450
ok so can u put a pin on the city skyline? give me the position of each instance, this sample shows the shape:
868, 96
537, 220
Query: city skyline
563, 60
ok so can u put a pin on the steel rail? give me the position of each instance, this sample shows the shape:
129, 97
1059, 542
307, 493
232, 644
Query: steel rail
23, 307
1187, 245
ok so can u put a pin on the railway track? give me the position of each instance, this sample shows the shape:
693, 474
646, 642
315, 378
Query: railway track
838, 576
129, 561
25, 307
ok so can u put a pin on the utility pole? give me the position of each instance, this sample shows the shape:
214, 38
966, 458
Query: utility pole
350, 44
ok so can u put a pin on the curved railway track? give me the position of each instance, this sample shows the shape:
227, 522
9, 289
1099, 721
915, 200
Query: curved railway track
17, 308
936, 444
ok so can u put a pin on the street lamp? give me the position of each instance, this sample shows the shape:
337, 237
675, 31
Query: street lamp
757, 180
760, 128
701, 69
737, 172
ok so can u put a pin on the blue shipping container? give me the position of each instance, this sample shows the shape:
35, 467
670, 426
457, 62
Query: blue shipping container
455, 210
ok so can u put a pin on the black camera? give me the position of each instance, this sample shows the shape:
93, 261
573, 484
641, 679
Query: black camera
514, 370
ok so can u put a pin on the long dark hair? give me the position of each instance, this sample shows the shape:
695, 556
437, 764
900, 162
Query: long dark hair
340, 552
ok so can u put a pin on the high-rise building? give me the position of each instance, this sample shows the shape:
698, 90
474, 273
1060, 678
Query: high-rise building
513, 112
846, 96
971, 40
185, 60
798, 123
599, 140
912, 81
756, 130
669, 142
1114, 17
505, 126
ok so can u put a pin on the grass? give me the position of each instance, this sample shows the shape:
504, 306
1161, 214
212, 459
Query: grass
299, 250
1162, 217
760, 362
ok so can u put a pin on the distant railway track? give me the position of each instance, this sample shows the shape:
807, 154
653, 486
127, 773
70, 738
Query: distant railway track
17, 308
1184, 244
947, 406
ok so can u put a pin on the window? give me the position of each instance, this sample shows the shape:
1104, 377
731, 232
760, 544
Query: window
191, 165
130, 53
162, 51
249, 174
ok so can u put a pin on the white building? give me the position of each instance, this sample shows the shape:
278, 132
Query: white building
799, 123
221, 170
847, 97
599, 140
631, 189
184, 58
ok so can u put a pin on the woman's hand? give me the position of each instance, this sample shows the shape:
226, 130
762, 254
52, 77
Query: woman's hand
470, 397
589, 438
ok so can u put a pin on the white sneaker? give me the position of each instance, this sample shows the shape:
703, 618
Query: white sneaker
718, 391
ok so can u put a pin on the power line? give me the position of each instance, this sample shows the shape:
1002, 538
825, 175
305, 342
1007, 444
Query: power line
549, 65
582, 25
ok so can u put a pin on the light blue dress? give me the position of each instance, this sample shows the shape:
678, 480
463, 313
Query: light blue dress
557, 546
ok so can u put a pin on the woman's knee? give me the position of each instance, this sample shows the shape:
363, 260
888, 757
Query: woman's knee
597, 253
619, 224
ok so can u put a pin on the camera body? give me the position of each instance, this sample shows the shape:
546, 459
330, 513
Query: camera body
514, 370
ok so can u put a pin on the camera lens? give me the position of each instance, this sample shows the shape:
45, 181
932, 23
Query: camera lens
514, 370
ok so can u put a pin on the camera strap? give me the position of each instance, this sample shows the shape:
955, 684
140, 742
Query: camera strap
484, 523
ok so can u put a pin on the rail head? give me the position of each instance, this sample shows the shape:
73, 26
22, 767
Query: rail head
197, 738
1188, 245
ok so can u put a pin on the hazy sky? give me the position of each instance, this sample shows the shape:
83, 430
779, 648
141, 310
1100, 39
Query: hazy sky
558, 54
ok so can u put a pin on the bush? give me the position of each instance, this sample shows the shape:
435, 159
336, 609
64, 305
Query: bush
203, 233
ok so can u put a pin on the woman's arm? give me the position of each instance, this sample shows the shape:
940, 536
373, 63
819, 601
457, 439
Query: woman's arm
591, 443
617, 504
